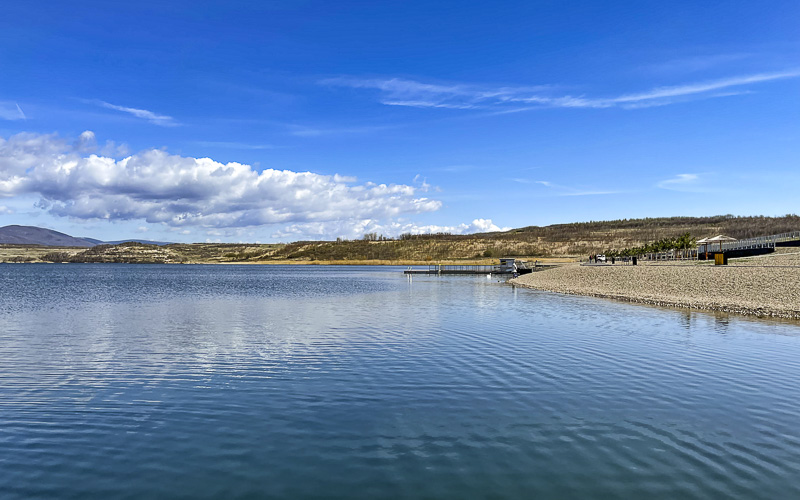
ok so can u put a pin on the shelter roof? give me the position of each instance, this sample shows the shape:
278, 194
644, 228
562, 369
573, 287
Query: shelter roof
720, 237
715, 239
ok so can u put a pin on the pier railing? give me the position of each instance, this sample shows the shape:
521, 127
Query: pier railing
448, 268
748, 244
757, 242
464, 269
683, 254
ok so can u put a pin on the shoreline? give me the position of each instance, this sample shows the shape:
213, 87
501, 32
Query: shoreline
760, 291
376, 262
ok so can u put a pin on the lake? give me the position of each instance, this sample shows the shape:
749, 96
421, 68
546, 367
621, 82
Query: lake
156, 381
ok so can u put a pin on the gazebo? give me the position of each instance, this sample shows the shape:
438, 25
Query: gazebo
704, 244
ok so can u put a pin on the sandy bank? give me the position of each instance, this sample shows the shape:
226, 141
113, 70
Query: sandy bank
756, 291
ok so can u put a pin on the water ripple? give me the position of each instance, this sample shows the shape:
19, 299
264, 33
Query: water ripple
241, 382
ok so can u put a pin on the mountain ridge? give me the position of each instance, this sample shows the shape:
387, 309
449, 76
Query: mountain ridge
15, 234
33, 235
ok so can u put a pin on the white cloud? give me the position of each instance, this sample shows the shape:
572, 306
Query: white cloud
402, 92
86, 143
559, 190
429, 104
399, 92
356, 228
234, 145
306, 131
701, 87
4, 210
589, 193
157, 187
483, 226
696, 63
156, 119
422, 183
690, 183
11, 111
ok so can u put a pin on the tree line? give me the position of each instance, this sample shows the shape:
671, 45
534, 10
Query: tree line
683, 242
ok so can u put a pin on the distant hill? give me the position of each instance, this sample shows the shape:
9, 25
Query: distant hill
575, 239
32, 235
558, 240
119, 242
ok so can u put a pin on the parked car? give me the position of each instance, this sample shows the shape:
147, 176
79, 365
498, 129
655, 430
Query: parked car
601, 258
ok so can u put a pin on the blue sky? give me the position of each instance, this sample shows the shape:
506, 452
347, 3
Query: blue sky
279, 121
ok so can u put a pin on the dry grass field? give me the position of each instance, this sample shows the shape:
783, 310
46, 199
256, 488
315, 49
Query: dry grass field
562, 241
32, 253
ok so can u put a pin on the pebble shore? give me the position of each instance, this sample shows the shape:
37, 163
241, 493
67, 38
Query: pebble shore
760, 290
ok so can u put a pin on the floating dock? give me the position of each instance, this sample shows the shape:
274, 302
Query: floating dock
506, 267
450, 269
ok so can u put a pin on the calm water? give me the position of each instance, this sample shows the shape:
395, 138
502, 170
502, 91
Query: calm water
320, 382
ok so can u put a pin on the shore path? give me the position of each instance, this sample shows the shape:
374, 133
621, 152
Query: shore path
758, 290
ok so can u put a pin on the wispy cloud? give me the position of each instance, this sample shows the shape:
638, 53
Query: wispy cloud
589, 193
702, 87
313, 131
559, 190
156, 119
687, 183
664, 102
234, 145
403, 92
400, 92
456, 169
684, 65
10, 110
429, 104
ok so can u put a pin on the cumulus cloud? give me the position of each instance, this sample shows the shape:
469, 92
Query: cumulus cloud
86, 143
356, 228
509, 99
157, 187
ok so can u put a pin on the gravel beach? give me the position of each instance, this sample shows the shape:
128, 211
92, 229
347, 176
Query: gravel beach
756, 287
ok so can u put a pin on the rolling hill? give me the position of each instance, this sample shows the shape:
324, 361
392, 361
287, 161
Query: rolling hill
559, 240
32, 235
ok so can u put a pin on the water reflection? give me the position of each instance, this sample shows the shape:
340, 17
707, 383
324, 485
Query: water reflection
222, 382
721, 322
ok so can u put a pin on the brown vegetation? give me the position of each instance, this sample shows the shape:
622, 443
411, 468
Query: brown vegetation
34, 253
575, 239
559, 240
